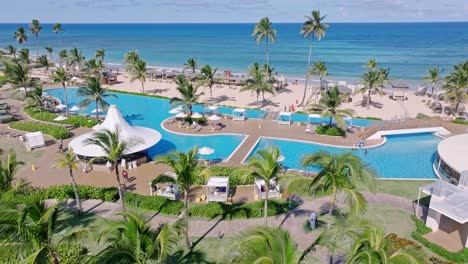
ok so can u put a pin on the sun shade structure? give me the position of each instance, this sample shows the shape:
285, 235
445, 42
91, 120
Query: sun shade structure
260, 189
238, 114
452, 157
284, 119
75, 108
142, 138
217, 189
181, 115
206, 151
60, 118
197, 115
448, 208
400, 89
34, 140
214, 118
176, 110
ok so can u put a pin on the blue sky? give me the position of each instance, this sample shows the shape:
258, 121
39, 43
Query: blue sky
199, 11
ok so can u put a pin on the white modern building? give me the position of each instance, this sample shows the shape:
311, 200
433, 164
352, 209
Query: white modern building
452, 157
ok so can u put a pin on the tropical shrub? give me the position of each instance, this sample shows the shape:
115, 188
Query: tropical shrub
330, 131
71, 253
74, 120
460, 121
57, 132
108, 194
368, 117
154, 203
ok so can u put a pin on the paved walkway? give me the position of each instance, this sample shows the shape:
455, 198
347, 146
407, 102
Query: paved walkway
293, 221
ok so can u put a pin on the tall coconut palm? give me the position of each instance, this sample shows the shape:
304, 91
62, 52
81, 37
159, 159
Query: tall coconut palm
100, 54
456, 84
191, 64
63, 56
114, 148
329, 104
188, 93
263, 30
94, 67
185, 166
339, 175
259, 83
313, 27
208, 77
139, 72
50, 50
130, 59
57, 29
134, 241
264, 165
70, 162
18, 75
8, 168
61, 76
433, 78
319, 69
20, 36
94, 93
371, 64
35, 28
23, 57
34, 98
374, 81
75, 58
44, 62
10, 50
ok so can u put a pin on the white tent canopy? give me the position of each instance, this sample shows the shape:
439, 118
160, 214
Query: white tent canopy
260, 190
217, 189
197, 115
284, 118
143, 137
238, 114
181, 115
214, 118
34, 140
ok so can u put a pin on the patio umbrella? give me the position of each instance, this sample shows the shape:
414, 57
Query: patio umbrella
60, 118
181, 115
197, 115
75, 108
61, 106
174, 111
206, 151
280, 158
97, 110
214, 118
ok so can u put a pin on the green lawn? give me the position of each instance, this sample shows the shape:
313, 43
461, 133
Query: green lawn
404, 188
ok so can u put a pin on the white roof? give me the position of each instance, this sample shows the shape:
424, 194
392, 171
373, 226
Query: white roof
144, 137
285, 113
260, 182
218, 181
315, 116
453, 204
239, 110
454, 152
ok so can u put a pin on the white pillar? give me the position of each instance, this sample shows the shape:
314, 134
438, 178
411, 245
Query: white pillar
417, 205
151, 189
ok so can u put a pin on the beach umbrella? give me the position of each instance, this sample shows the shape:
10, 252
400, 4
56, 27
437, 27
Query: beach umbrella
181, 115
75, 108
97, 110
280, 158
61, 106
174, 111
197, 115
60, 118
214, 118
206, 151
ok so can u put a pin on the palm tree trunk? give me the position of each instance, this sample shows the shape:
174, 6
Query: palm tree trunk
66, 98
186, 216
332, 206
97, 111
368, 98
307, 75
211, 94
75, 190
330, 122
267, 54
258, 103
121, 192
432, 91
143, 86
60, 41
265, 208
37, 48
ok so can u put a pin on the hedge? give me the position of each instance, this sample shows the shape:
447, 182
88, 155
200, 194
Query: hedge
108, 194
421, 229
330, 131
460, 121
369, 117
155, 203
57, 132
74, 120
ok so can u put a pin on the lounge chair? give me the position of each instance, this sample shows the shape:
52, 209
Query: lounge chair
197, 128
6, 118
310, 129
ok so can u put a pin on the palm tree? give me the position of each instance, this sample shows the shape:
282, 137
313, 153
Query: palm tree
50, 50
94, 93
329, 104
35, 27
10, 50
208, 77
370, 245
57, 29
130, 59
262, 31
61, 76
8, 168
456, 84
75, 58
44, 62
70, 161
258, 83
185, 166
371, 64
63, 56
18, 75
100, 55
191, 64
139, 72
114, 148
20, 36
374, 81
94, 67
23, 57
34, 98
134, 241
188, 93
312, 27
340, 174
264, 166
319, 69
433, 78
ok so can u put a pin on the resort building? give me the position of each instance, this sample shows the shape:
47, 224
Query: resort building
452, 157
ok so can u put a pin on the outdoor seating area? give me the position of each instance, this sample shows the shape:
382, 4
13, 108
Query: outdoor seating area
5, 115
168, 190
238, 114
217, 189
284, 119
260, 190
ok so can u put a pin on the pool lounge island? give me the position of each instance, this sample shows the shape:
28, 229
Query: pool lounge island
452, 157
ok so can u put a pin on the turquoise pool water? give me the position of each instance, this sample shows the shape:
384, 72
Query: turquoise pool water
402, 156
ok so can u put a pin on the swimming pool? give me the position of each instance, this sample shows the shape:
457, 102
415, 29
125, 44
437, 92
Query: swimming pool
401, 157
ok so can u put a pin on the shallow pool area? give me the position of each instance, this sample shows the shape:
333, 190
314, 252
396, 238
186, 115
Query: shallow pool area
401, 157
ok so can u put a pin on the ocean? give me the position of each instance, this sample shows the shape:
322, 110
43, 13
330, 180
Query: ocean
407, 48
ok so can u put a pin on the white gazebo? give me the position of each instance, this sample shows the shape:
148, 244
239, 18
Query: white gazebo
141, 138
260, 189
34, 140
168, 190
212, 109
238, 114
284, 119
314, 118
400, 90
217, 189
